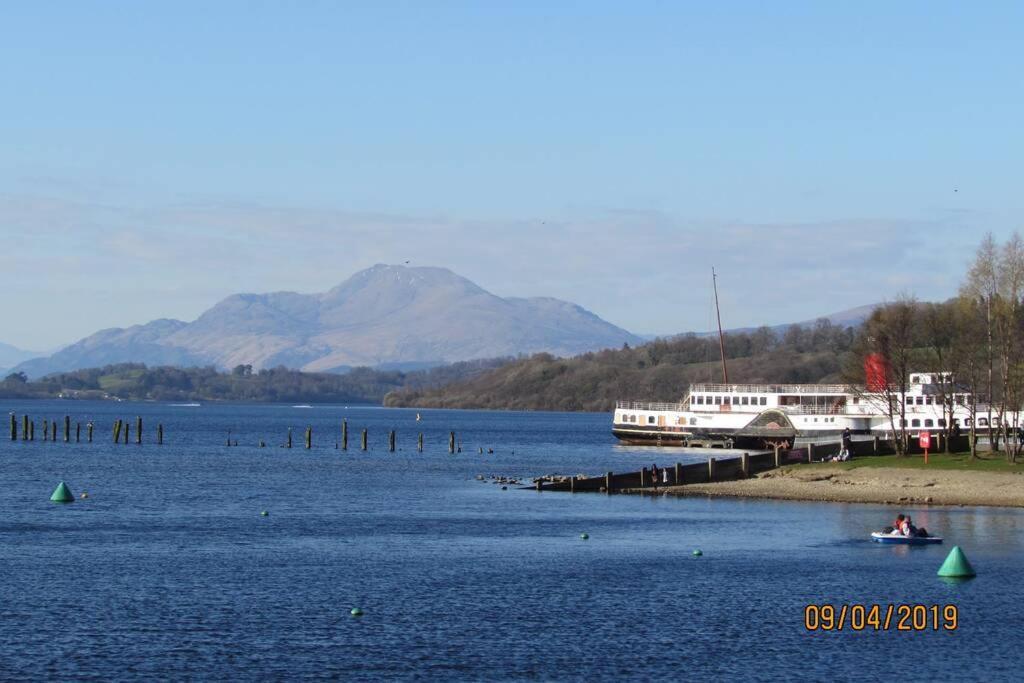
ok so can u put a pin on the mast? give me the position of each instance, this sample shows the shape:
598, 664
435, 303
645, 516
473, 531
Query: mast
718, 314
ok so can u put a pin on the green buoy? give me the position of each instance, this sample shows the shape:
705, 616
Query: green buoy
62, 494
956, 565
584, 536
356, 612
697, 553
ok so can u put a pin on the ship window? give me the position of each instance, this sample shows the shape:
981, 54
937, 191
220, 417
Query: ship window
700, 400
942, 422
693, 420
929, 400
856, 400
995, 421
726, 400
915, 422
929, 422
764, 400
967, 421
910, 400
650, 419
718, 400
983, 422
903, 423
959, 400
745, 400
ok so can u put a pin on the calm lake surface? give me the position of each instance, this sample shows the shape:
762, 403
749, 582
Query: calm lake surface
168, 570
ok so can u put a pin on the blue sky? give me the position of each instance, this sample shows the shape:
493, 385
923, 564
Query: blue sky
159, 156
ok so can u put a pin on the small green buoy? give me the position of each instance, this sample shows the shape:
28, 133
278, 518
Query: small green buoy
697, 552
584, 536
356, 612
956, 565
62, 494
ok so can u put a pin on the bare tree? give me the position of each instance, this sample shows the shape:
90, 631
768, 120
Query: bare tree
889, 332
982, 284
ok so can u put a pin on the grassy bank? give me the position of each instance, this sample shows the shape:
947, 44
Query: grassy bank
986, 462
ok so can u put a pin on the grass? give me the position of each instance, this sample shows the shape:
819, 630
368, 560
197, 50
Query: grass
985, 462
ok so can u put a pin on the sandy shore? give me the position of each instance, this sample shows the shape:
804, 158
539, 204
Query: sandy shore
886, 485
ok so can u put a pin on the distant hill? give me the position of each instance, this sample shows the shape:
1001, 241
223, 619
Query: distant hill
384, 316
660, 370
12, 355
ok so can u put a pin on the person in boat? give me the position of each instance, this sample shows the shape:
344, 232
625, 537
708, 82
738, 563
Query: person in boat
897, 526
908, 528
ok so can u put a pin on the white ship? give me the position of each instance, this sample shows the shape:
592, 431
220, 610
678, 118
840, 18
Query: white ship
763, 415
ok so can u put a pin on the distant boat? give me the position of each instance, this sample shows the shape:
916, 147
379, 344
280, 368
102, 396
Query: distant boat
417, 417
304, 405
185, 405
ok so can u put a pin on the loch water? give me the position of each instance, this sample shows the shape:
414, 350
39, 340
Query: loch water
167, 570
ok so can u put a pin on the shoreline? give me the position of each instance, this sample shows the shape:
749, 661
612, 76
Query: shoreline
869, 485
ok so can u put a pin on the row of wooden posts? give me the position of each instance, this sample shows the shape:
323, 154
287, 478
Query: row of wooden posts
364, 440
50, 430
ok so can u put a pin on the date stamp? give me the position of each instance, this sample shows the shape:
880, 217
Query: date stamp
860, 617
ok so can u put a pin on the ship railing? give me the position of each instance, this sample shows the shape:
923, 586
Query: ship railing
640, 405
773, 389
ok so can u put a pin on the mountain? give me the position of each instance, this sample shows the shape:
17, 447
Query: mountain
381, 316
12, 355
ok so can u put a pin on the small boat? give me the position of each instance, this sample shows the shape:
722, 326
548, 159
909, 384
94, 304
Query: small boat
879, 537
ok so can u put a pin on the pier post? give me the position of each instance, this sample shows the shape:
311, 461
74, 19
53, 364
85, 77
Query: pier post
451, 442
32, 430
778, 455
344, 435
46, 429
745, 465
24, 427
127, 431
391, 441
309, 437
53, 432
419, 443
160, 434
289, 437
88, 430
365, 439
138, 430
711, 469
14, 427
810, 452
67, 428
78, 432
117, 431
608, 482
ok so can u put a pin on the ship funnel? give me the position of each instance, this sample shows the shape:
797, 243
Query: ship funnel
876, 372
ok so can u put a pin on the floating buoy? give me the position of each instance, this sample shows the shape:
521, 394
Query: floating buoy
697, 552
264, 513
956, 565
584, 536
62, 494
356, 612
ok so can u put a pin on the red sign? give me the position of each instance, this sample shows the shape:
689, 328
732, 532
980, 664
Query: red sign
924, 439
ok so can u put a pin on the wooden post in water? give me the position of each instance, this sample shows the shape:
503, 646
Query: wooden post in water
160, 435
46, 429
451, 442
24, 427
53, 432
391, 441
88, 429
289, 437
14, 427
127, 431
344, 435
78, 432
608, 482
679, 474
32, 430
365, 439
67, 428
711, 469
745, 464
117, 431
138, 430
419, 443
309, 437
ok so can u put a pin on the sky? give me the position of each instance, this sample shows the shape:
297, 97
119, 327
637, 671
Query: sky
156, 157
